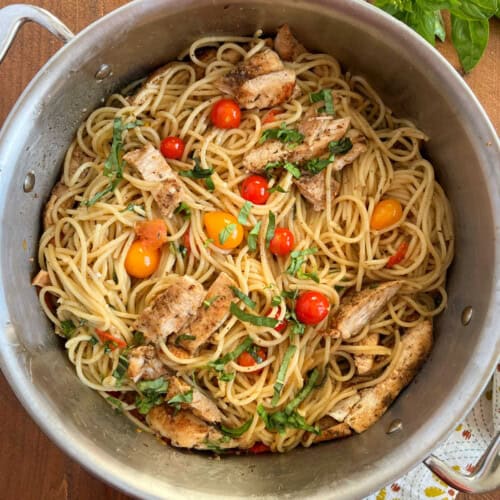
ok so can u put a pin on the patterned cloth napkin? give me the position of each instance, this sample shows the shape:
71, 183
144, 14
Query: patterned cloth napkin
462, 450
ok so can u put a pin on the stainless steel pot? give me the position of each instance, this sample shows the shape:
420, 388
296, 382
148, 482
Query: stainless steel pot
416, 81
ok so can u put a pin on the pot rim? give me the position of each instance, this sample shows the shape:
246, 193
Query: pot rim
451, 410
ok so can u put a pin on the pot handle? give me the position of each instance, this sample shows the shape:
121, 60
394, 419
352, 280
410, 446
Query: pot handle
486, 475
14, 16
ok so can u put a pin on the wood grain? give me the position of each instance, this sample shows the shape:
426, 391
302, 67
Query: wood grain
31, 467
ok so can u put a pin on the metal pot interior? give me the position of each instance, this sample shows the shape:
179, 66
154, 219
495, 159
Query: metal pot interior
415, 83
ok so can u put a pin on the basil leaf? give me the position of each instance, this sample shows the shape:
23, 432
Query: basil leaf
276, 189
239, 431
326, 96
290, 167
276, 301
298, 258
121, 368
145, 403
100, 194
183, 209
290, 294
178, 399
470, 39
68, 328
317, 165
304, 276
197, 172
251, 318
252, 237
226, 233
283, 134
271, 227
227, 377
280, 379
156, 386
340, 147
116, 403
439, 29
243, 297
219, 364
209, 183
131, 208
184, 336
244, 212
305, 391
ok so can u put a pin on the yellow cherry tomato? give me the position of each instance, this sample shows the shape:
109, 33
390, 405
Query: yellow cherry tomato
142, 260
386, 213
223, 229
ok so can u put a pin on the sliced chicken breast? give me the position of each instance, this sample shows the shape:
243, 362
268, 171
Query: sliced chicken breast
313, 189
144, 364
340, 411
416, 345
330, 430
358, 147
364, 362
271, 151
170, 310
359, 309
208, 319
286, 45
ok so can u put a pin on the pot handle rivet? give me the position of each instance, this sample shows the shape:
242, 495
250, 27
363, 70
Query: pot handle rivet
103, 72
467, 315
29, 182
395, 426
14, 16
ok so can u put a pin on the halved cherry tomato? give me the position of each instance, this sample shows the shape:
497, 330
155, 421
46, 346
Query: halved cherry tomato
172, 147
270, 116
113, 342
142, 260
226, 114
281, 326
255, 189
259, 448
246, 359
399, 255
152, 233
311, 307
385, 214
223, 228
282, 242
186, 241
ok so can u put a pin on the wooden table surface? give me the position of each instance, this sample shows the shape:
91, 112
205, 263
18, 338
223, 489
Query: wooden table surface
31, 467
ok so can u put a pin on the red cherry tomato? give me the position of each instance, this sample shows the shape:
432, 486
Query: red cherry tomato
226, 114
186, 241
281, 326
255, 189
311, 307
246, 359
282, 242
172, 147
259, 448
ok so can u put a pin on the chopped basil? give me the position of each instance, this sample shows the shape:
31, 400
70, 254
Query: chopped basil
68, 328
239, 431
243, 297
93, 341
138, 338
280, 379
209, 183
116, 403
220, 363
152, 394
197, 172
131, 207
272, 165
298, 258
227, 377
158, 385
290, 167
183, 209
304, 392
283, 134
208, 302
277, 189
340, 147
276, 301
271, 226
317, 165
184, 336
226, 233
251, 318
121, 368
324, 95
244, 212
304, 276
178, 399
290, 294
252, 237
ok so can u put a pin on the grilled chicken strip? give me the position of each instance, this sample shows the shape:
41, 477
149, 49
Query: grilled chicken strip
286, 45
358, 147
269, 152
154, 168
144, 364
416, 344
340, 411
330, 430
360, 308
364, 362
313, 189
170, 310
208, 319
185, 430
201, 406
259, 82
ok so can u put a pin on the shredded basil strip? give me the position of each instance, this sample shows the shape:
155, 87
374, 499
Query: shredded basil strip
244, 212
184, 397
208, 302
239, 431
324, 95
121, 368
276, 301
280, 379
283, 134
277, 189
243, 297
184, 336
311, 382
303, 276
340, 147
271, 227
152, 394
68, 328
158, 385
197, 172
317, 165
116, 403
209, 183
251, 318
298, 258
183, 209
226, 233
290, 167
252, 237
227, 377
219, 364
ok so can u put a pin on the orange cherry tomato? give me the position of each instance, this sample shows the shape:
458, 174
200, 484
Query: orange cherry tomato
385, 214
281, 326
152, 233
399, 255
270, 116
311, 307
172, 147
224, 229
259, 448
226, 114
255, 189
282, 242
142, 260
186, 241
246, 359
112, 341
